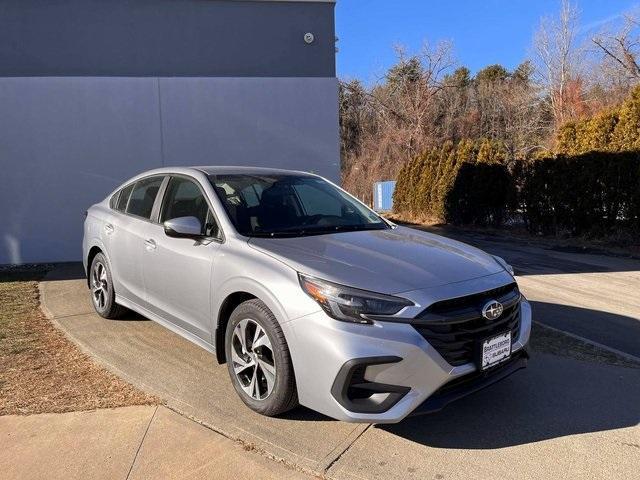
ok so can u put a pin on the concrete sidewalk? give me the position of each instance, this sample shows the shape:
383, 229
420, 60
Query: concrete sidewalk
125, 443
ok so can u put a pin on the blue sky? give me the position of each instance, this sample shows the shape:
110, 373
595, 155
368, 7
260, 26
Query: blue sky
483, 32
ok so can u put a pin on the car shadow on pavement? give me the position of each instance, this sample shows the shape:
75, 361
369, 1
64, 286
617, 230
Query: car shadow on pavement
130, 316
304, 414
554, 397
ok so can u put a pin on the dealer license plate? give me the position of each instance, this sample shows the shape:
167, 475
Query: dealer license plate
496, 350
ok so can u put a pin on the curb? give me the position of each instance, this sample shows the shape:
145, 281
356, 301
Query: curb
614, 351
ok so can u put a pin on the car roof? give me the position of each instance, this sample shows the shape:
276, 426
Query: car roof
237, 170
215, 170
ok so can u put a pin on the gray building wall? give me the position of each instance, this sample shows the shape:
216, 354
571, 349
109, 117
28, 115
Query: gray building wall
217, 38
67, 140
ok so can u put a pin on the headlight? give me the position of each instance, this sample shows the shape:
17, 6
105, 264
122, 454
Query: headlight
503, 263
350, 304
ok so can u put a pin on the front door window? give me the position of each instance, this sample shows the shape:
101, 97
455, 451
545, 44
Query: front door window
184, 198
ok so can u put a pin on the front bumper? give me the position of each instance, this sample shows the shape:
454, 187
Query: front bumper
402, 368
472, 383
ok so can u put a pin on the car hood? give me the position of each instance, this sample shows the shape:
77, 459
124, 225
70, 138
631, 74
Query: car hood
386, 261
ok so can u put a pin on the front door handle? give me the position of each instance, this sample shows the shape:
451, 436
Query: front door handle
150, 244
108, 228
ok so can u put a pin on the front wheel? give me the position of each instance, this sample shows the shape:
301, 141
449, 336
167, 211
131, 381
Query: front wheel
258, 360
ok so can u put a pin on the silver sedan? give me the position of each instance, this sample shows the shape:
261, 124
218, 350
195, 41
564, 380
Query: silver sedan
306, 294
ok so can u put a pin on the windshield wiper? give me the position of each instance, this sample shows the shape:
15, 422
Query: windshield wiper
317, 230
278, 233
354, 228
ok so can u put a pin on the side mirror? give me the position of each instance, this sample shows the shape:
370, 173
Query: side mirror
183, 227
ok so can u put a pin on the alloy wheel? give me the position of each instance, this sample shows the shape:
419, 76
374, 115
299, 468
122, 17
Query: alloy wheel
253, 359
99, 285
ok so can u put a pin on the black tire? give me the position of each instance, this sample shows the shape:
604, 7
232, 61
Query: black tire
103, 297
283, 396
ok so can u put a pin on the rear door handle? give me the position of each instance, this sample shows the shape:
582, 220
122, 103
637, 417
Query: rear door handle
108, 228
150, 244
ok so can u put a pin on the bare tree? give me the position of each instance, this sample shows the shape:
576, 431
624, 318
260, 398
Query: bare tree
410, 91
558, 60
405, 102
622, 48
526, 117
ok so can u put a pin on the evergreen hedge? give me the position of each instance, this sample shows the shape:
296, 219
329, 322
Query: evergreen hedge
613, 130
591, 185
465, 184
596, 193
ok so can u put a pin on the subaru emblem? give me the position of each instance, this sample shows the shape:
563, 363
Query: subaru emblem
492, 310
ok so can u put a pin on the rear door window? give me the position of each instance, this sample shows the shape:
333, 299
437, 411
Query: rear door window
143, 197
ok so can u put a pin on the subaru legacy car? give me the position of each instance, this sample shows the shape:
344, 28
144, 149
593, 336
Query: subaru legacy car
305, 293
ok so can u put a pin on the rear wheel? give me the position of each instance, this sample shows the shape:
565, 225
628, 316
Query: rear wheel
103, 295
258, 360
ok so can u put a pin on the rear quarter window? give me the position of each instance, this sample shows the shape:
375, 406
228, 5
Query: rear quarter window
123, 198
113, 201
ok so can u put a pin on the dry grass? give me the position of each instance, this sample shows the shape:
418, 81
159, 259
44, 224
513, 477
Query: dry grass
411, 220
40, 369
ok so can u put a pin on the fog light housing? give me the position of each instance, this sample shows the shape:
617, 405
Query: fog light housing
358, 395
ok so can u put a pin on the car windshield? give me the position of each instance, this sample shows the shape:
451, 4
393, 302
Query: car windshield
290, 205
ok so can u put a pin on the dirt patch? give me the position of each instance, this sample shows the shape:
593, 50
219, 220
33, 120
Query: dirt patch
548, 340
40, 369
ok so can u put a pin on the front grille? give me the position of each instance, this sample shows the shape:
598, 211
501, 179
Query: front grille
455, 327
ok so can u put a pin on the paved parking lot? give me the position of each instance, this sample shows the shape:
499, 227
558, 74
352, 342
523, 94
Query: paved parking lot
566, 415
